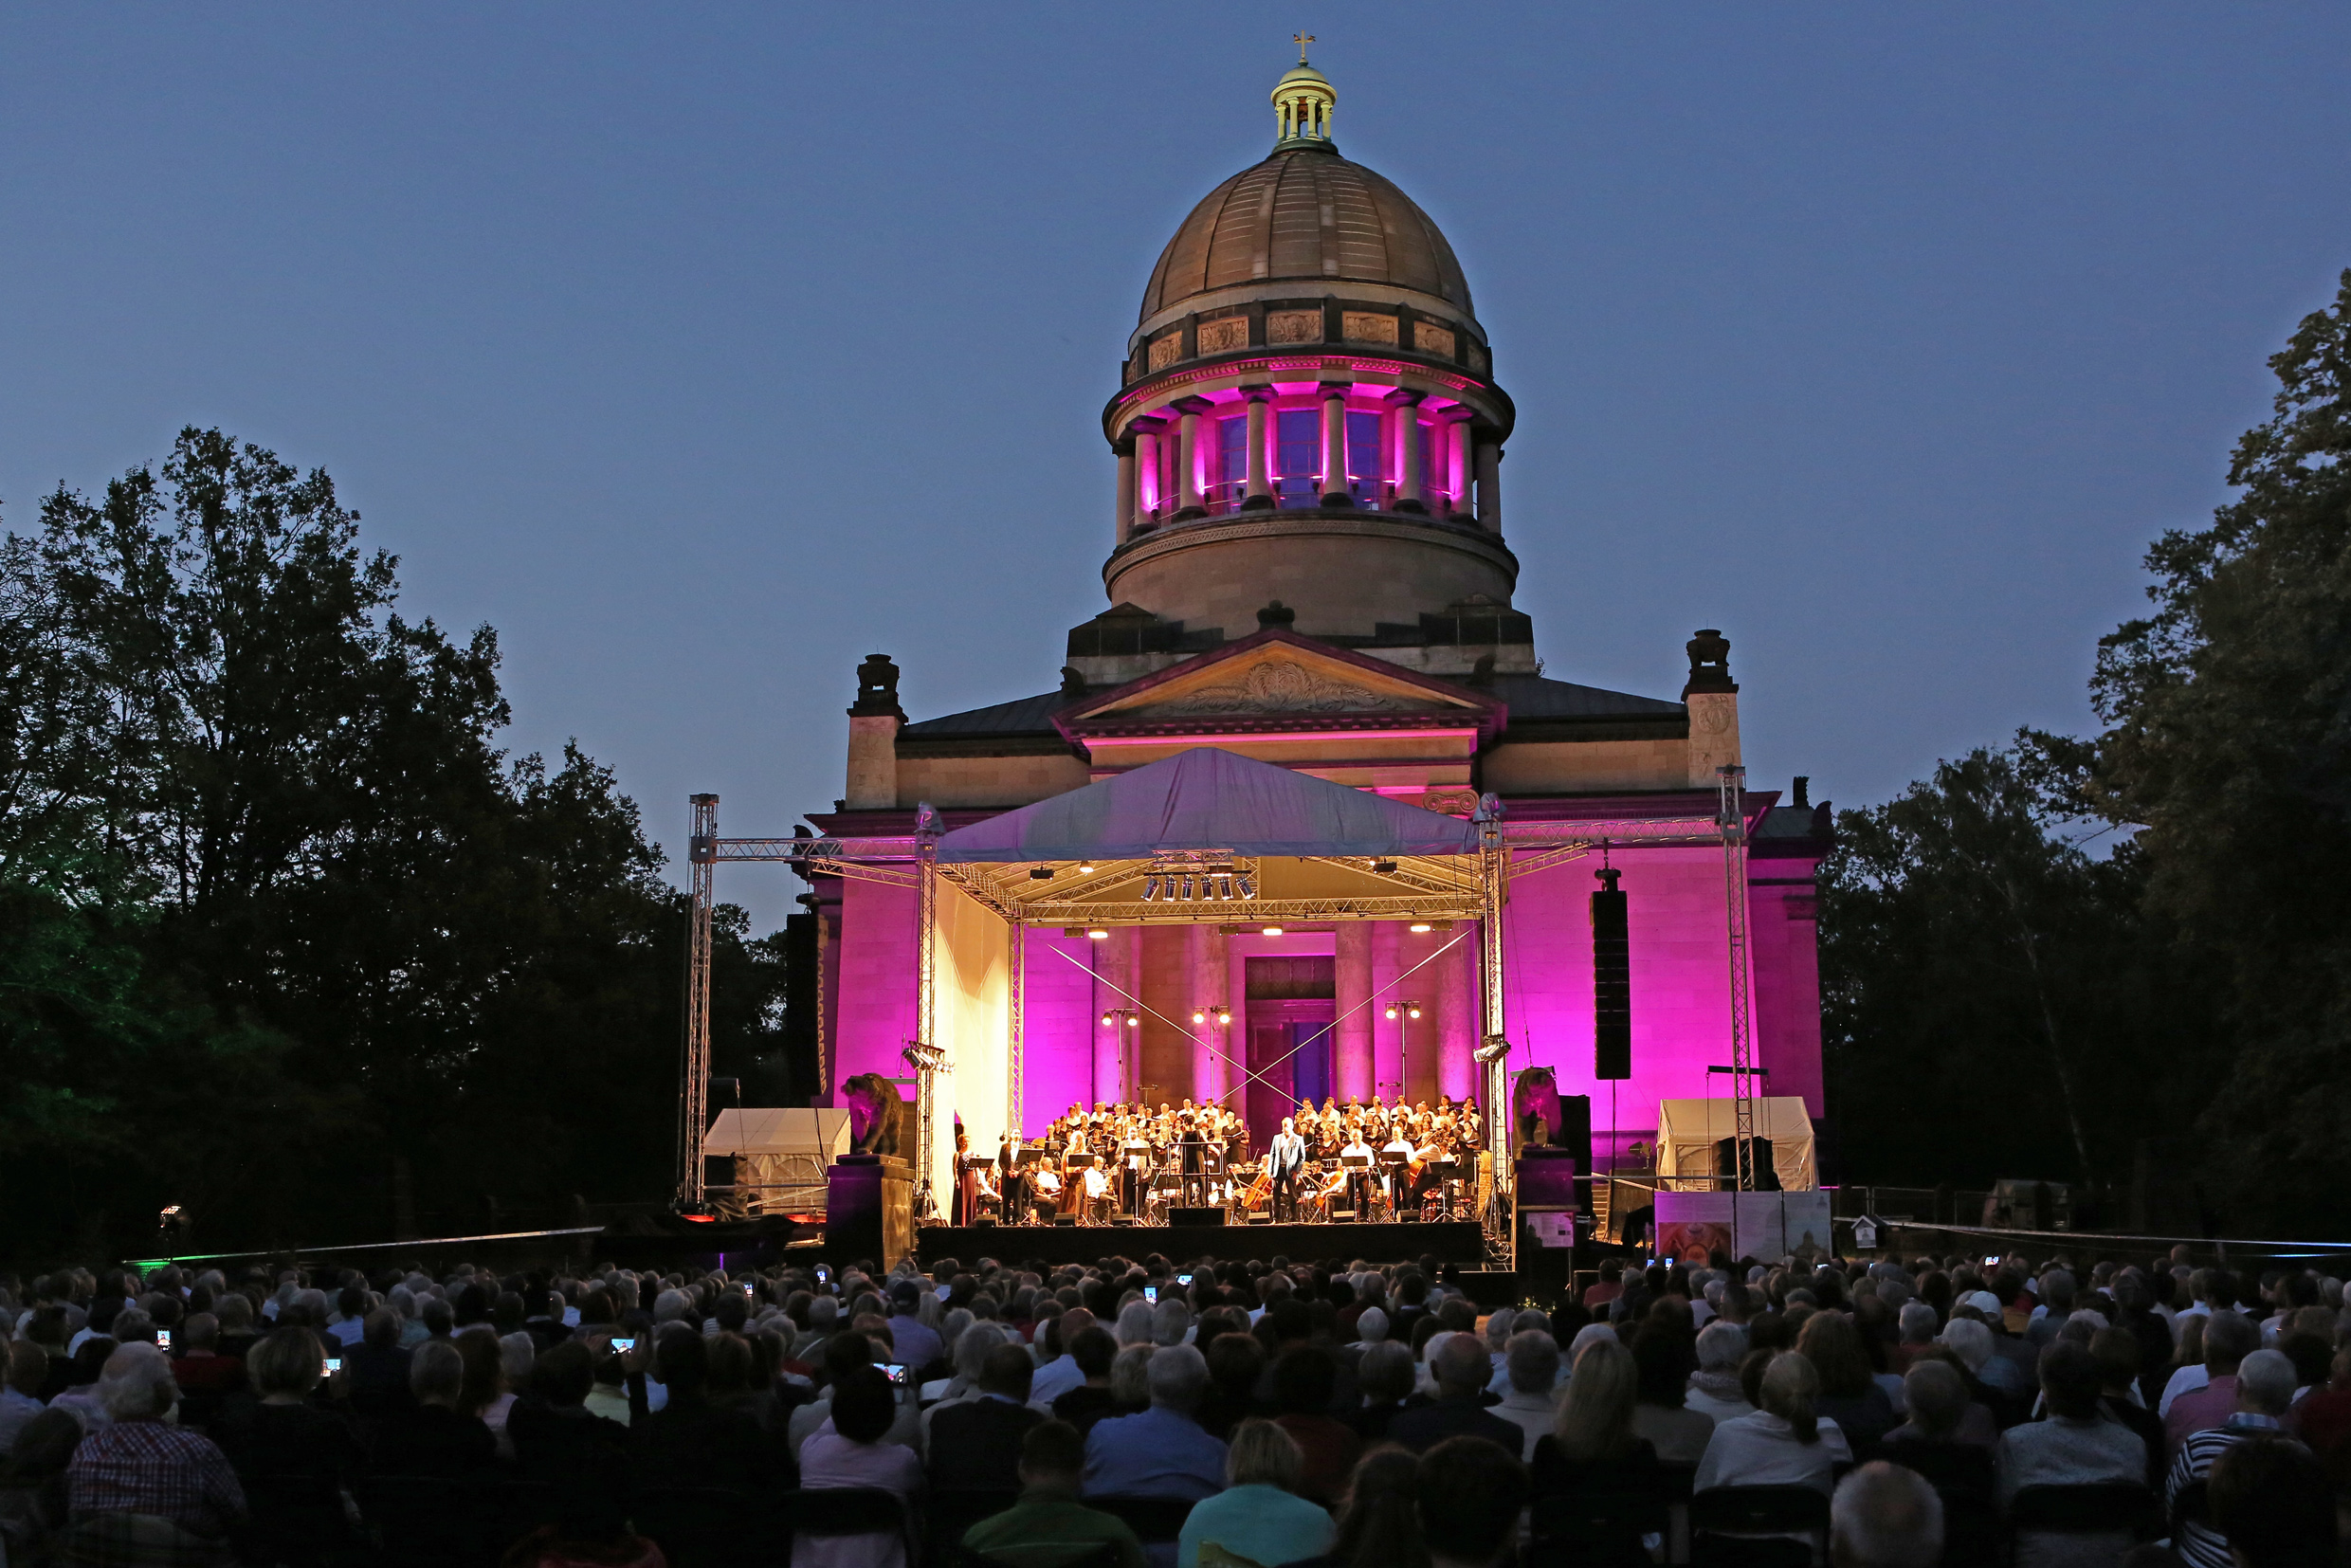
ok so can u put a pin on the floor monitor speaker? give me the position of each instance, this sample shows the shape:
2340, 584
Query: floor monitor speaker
1192, 1217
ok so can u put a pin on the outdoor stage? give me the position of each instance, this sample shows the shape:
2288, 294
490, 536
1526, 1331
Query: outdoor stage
1449, 1241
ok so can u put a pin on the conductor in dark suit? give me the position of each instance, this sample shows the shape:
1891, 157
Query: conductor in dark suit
975, 1443
1193, 1149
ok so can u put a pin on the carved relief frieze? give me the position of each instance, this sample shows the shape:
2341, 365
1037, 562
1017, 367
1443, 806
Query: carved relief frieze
1294, 326
1224, 335
1432, 339
1364, 326
1277, 686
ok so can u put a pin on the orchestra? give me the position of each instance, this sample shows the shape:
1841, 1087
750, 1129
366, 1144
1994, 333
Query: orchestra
1363, 1160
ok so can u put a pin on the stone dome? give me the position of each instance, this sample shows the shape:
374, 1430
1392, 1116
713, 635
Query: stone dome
1305, 213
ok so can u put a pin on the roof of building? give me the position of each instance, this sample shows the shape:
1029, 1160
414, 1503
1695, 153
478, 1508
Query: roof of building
1306, 212
1529, 697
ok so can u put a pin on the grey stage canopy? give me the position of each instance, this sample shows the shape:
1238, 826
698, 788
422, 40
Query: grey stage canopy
1209, 799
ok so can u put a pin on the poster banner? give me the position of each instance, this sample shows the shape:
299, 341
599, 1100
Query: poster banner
1692, 1227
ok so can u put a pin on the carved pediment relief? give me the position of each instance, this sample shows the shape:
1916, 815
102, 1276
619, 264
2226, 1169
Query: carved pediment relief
1272, 680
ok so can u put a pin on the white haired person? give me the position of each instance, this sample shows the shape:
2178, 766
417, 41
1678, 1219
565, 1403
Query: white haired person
139, 1463
2264, 1389
1885, 1516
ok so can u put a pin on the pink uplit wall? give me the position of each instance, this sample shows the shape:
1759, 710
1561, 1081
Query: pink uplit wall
1787, 980
1057, 1066
876, 1003
1680, 979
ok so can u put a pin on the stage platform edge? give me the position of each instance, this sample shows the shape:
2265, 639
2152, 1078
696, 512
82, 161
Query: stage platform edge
1460, 1242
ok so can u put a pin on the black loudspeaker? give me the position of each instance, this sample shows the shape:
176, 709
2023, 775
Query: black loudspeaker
1186, 1219
1726, 1162
1065, 1220
1611, 982
1576, 1129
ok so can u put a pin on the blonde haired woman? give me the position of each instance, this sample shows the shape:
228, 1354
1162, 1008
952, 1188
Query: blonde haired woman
1259, 1517
1591, 1450
1787, 1443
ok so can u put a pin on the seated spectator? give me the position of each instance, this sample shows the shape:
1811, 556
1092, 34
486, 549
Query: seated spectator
556, 1439
1714, 1389
1531, 1365
376, 1370
970, 1358
1885, 1516
2076, 1444
1849, 1395
434, 1438
1380, 1519
1469, 1494
281, 1437
1664, 1359
852, 1453
1259, 1517
1164, 1451
2272, 1503
1385, 1375
2323, 1417
2116, 1351
1917, 1324
202, 1370
1237, 1369
2264, 1385
32, 1482
975, 1444
1094, 1350
1305, 1384
2229, 1337
1458, 1410
1785, 1443
139, 1463
1048, 1527
918, 1344
694, 1441
1934, 1440
1593, 1446
20, 1398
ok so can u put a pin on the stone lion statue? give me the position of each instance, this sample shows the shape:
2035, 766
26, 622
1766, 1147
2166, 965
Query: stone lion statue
1535, 1098
877, 1115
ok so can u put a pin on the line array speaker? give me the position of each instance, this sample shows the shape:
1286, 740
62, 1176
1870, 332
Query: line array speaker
1612, 982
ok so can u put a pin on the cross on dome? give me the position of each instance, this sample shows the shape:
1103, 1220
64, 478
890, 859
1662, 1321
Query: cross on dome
1302, 101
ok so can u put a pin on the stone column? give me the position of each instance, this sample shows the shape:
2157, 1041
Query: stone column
1150, 504
1489, 486
1407, 407
1188, 456
1210, 955
1260, 471
1126, 490
1457, 461
1457, 1015
1335, 444
1351, 1045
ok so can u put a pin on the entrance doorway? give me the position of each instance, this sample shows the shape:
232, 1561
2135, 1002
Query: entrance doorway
1291, 1005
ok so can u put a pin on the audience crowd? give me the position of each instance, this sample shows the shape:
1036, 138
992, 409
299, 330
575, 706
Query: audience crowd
1198, 1414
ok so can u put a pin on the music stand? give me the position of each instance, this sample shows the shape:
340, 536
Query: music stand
1078, 1159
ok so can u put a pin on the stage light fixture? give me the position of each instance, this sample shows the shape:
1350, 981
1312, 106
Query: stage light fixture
1419, 928
1392, 1013
1085, 867
1384, 868
1248, 886
1199, 1017
1040, 873
1106, 1020
1096, 934
1412, 1013
1270, 931
1134, 1020
1151, 890
1224, 1017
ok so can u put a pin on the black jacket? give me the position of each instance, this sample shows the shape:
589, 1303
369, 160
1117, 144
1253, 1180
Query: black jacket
976, 1443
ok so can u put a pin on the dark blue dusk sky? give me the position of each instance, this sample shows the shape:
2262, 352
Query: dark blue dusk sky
705, 349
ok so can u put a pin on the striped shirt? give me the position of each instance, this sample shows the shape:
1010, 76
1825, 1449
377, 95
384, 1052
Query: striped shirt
2196, 1541
150, 1467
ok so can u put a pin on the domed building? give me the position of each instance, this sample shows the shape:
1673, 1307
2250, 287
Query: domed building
1309, 567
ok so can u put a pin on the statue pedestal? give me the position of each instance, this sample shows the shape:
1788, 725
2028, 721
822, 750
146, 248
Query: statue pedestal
869, 1208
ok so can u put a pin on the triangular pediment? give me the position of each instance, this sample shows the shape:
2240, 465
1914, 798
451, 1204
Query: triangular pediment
1271, 676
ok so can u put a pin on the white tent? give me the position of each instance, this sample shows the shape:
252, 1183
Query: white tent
1687, 1131
781, 1154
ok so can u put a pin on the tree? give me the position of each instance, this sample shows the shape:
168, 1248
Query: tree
1993, 1006
2229, 738
297, 944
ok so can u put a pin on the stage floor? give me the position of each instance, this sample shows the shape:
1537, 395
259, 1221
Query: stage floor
1449, 1241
